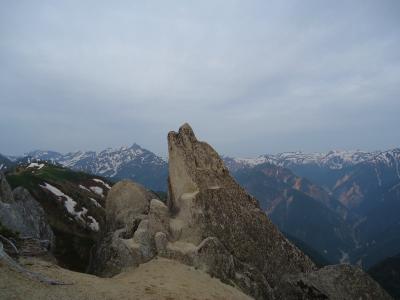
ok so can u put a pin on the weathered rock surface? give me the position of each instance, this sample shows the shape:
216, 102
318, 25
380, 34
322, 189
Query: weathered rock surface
211, 223
235, 241
126, 201
129, 240
5, 190
338, 282
21, 213
209, 203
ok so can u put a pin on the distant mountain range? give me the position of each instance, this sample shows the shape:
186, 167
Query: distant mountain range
301, 209
363, 189
345, 205
134, 162
334, 160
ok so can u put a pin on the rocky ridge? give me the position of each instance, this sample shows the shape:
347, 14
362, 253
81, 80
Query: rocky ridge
211, 223
334, 160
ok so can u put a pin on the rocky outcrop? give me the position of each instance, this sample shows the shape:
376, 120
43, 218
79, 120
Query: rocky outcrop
129, 239
338, 282
235, 241
5, 190
211, 223
207, 202
21, 213
126, 202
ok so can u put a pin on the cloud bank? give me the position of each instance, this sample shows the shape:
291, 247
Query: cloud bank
251, 77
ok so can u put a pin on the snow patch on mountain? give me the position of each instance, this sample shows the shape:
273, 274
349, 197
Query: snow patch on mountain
106, 163
102, 182
94, 225
70, 205
36, 165
95, 202
84, 188
69, 202
345, 259
334, 160
98, 190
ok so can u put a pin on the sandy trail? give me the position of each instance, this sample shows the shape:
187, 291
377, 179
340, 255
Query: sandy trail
158, 279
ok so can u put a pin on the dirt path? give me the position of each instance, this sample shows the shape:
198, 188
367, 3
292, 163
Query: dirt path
157, 279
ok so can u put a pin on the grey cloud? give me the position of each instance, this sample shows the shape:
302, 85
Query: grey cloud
250, 76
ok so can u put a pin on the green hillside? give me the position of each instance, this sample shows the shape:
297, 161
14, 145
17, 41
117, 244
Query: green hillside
73, 202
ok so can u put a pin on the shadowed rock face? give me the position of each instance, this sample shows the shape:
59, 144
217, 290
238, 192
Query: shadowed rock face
336, 282
129, 238
5, 190
211, 204
20, 212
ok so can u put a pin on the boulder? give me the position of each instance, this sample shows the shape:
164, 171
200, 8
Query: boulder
113, 255
338, 282
5, 190
22, 214
143, 242
133, 216
125, 202
35, 222
161, 241
159, 217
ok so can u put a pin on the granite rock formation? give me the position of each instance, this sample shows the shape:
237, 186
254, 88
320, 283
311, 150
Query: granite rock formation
22, 214
207, 202
337, 282
125, 202
211, 223
128, 240
5, 190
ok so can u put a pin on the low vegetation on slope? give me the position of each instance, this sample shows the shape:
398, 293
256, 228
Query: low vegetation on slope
73, 202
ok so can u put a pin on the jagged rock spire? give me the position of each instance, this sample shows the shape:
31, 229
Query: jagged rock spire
209, 202
213, 224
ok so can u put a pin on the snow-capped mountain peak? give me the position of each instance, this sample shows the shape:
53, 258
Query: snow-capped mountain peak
335, 159
123, 162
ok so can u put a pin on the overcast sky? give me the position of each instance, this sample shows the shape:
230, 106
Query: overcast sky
251, 77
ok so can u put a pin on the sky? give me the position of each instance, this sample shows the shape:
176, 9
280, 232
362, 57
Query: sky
251, 77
